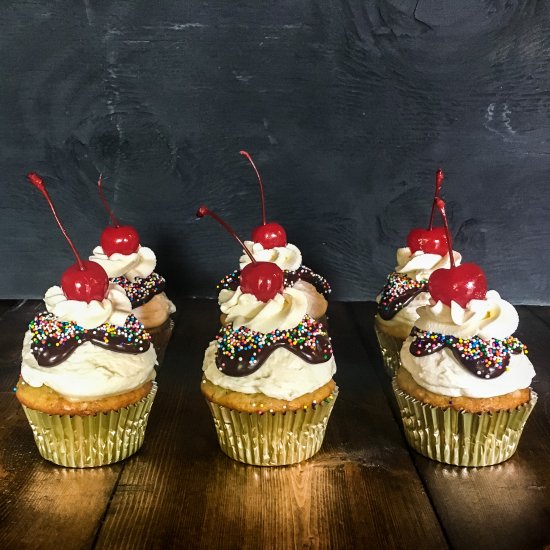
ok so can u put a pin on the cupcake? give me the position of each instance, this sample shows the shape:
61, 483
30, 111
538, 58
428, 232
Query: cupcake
132, 266
406, 288
267, 377
269, 244
87, 372
463, 387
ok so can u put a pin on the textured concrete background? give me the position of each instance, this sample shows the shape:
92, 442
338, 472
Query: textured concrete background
347, 106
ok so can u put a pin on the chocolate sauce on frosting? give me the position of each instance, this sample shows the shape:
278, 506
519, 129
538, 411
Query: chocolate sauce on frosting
398, 292
143, 289
483, 358
231, 281
54, 341
243, 351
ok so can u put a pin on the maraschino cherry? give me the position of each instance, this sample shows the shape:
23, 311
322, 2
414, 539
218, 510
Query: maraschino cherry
433, 239
262, 279
271, 234
84, 280
459, 284
123, 239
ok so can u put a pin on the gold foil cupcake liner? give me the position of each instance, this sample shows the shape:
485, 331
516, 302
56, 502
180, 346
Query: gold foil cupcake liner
390, 346
462, 438
272, 439
160, 336
95, 440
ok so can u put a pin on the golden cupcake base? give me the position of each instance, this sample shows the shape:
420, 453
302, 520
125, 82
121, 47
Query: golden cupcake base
461, 438
390, 347
272, 439
92, 440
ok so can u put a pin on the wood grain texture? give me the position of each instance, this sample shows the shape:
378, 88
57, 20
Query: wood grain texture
348, 108
359, 491
503, 506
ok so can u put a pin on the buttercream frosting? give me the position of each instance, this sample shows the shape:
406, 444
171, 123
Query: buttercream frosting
138, 264
286, 257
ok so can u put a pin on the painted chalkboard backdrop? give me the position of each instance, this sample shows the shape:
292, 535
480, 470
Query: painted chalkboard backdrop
347, 106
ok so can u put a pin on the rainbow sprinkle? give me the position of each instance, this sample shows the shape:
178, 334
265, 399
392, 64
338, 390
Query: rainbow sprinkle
242, 351
483, 358
142, 289
398, 291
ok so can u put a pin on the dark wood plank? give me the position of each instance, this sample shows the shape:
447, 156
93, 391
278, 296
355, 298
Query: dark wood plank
361, 490
42, 505
503, 506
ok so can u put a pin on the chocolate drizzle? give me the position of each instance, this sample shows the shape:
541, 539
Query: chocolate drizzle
398, 292
484, 358
231, 281
243, 351
54, 341
143, 289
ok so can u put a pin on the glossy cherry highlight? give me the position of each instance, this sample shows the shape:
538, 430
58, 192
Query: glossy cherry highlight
271, 234
121, 239
262, 279
459, 284
84, 280
432, 240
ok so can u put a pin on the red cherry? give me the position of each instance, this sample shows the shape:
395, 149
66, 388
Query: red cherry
262, 279
85, 285
459, 284
269, 235
83, 281
430, 241
121, 239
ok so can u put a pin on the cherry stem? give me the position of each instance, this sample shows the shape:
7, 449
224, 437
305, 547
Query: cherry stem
106, 204
441, 206
245, 154
438, 182
203, 211
38, 182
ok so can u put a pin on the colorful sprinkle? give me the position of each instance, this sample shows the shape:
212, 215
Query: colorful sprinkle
398, 291
483, 358
242, 351
142, 289
52, 341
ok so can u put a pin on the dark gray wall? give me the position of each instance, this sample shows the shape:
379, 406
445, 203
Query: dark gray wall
348, 108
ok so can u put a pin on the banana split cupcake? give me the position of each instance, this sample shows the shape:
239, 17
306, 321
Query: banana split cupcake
463, 387
267, 377
406, 288
87, 373
132, 266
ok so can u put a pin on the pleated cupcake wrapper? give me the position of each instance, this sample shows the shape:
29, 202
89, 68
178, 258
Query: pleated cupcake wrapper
390, 346
272, 439
160, 336
461, 438
94, 440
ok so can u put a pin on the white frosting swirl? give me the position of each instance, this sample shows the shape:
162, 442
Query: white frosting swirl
441, 372
90, 371
420, 265
283, 375
286, 257
114, 308
138, 264
489, 318
284, 311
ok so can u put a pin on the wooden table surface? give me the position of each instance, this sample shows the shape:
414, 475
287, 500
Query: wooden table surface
365, 488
